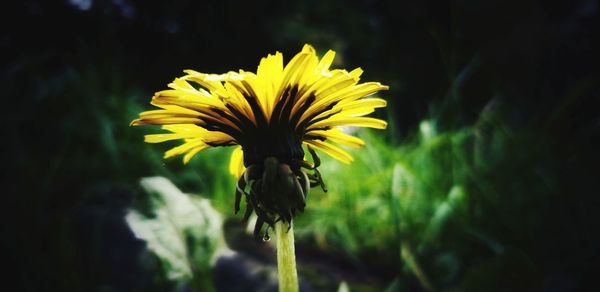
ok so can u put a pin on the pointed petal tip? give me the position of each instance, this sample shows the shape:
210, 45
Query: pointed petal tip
170, 154
190, 72
136, 122
157, 138
381, 126
307, 48
347, 160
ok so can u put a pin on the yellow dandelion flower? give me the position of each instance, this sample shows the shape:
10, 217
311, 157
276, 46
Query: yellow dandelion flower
270, 115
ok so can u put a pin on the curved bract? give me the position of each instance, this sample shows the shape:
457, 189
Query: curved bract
270, 115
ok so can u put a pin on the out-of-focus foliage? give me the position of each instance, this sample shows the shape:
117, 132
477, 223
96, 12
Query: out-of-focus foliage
435, 204
184, 231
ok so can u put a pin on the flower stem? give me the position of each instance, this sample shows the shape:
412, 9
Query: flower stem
286, 257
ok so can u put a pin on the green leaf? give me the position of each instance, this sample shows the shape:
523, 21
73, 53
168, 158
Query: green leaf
184, 231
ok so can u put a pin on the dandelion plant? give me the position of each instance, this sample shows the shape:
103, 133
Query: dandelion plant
271, 116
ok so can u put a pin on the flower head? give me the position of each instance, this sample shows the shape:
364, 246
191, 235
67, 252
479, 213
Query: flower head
270, 115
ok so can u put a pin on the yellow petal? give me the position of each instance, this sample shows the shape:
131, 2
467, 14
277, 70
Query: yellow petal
356, 73
216, 137
269, 73
362, 103
291, 68
307, 71
186, 100
308, 49
322, 69
185, 128
165, 121
161, 114
193, 132
338, 79
158, 138
252, 87
333, 151
325, 62
196, 139
172, 108
335, 86
236, 164
200, 78
350, 93
336, 135
350, 121
183, 148
355, 108
193, 152
238, 101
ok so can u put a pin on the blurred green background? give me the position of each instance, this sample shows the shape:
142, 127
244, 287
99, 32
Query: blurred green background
485, 180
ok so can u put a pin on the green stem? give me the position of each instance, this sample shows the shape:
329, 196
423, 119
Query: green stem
286, 257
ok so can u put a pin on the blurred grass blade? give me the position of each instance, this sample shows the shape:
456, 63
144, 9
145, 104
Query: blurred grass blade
441, 215
344, 287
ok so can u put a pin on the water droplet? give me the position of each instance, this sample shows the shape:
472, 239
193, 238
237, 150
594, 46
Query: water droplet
266, 237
